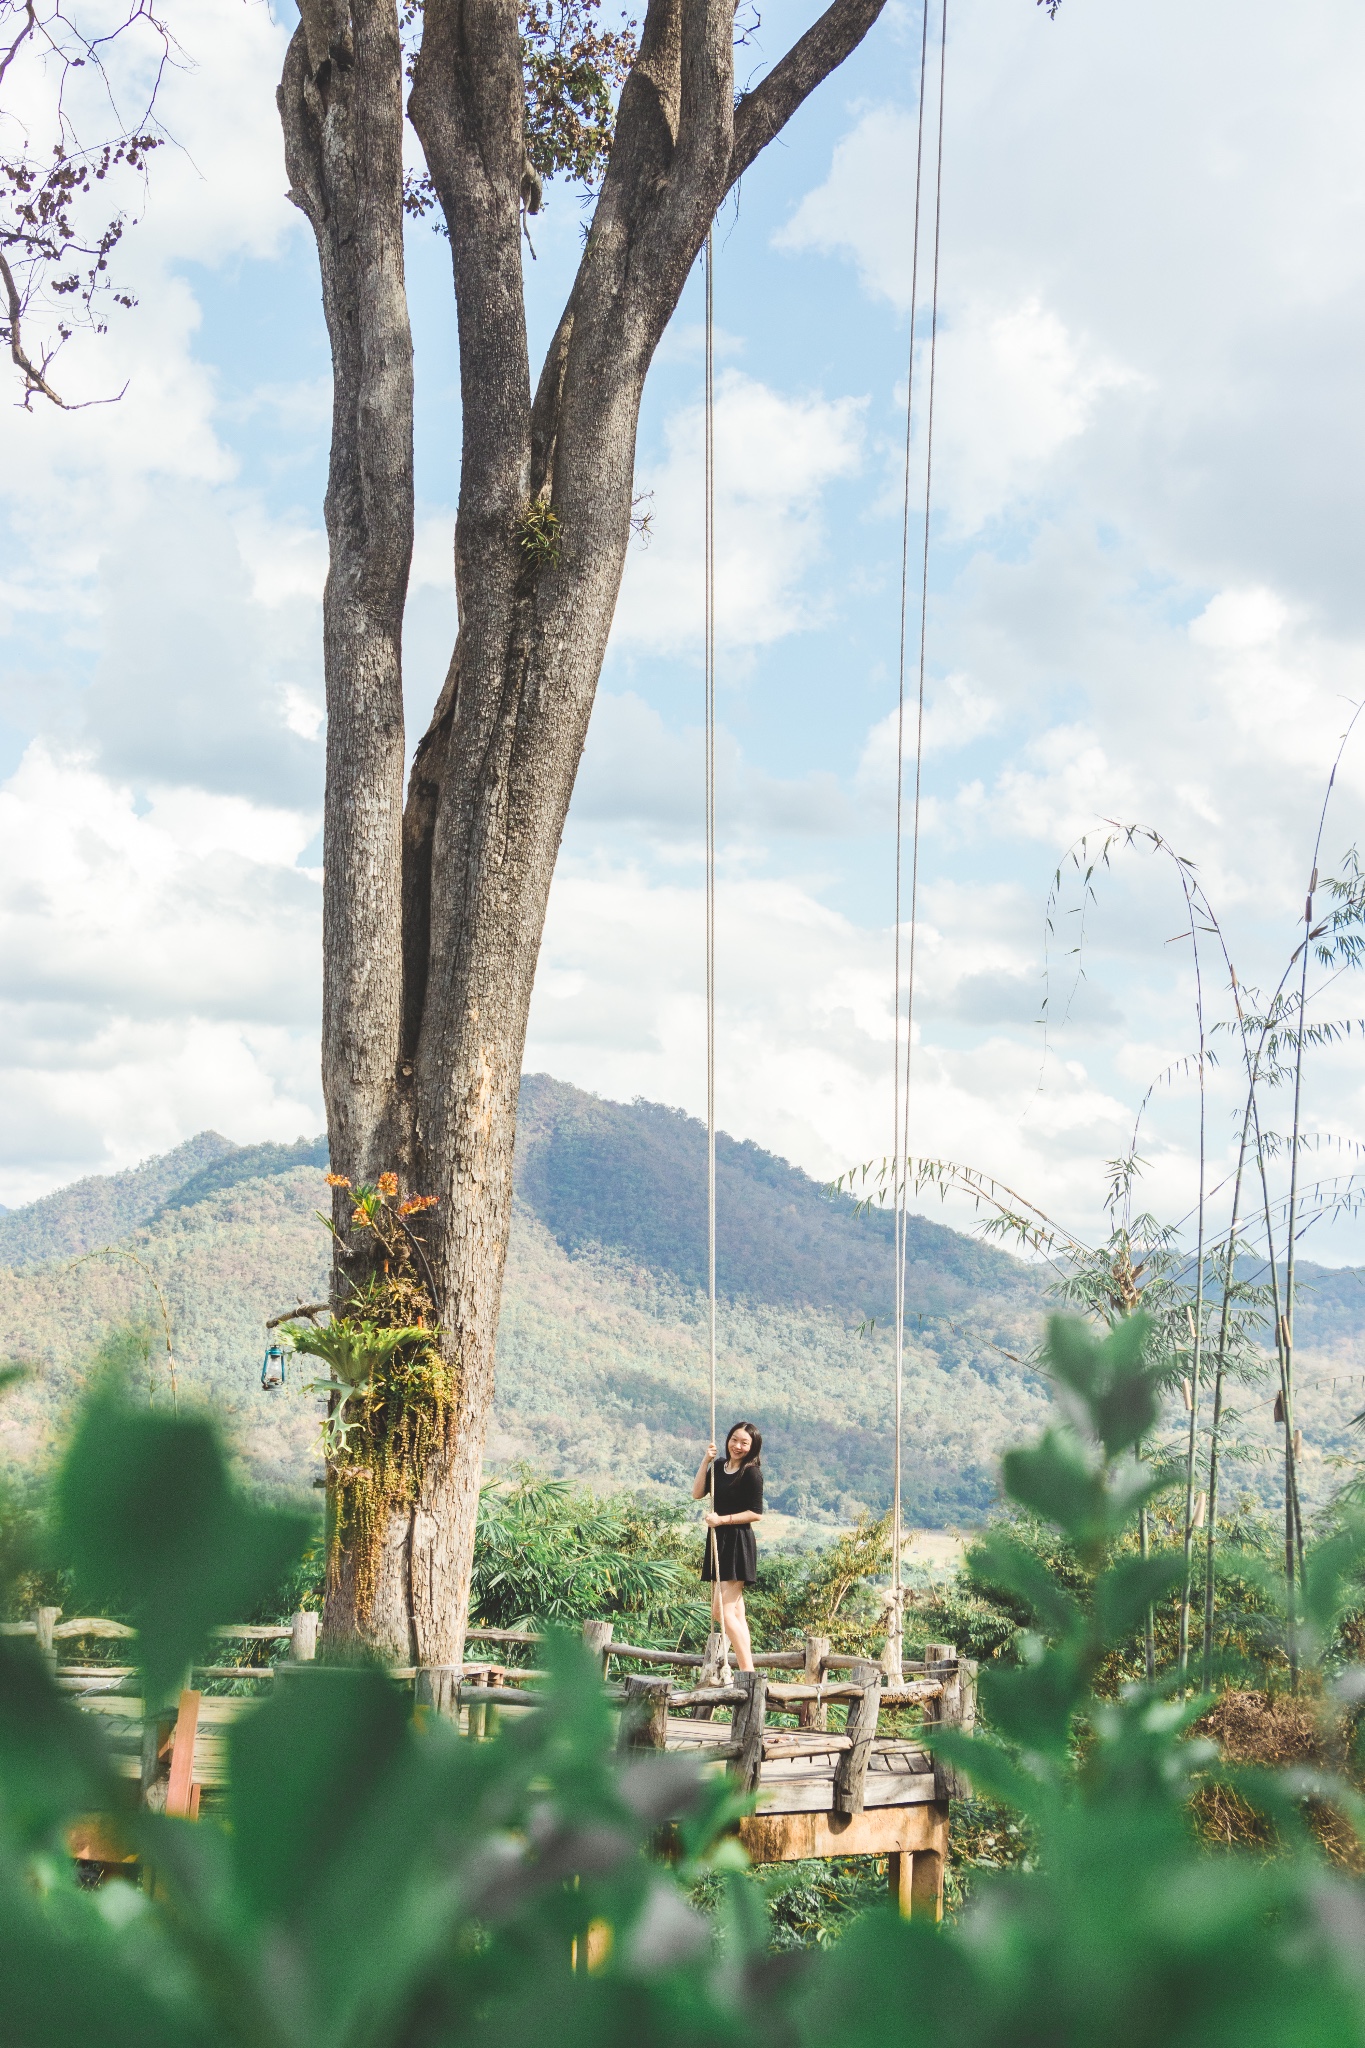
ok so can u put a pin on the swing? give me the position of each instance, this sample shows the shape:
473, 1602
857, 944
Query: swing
716, 1667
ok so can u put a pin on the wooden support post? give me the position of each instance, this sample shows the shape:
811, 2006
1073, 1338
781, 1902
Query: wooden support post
154, 1730
899, 1873
303, 1637
44, 1623
926, 1885
644, 1718
814, 1713
850, 1777
597, 1636
436, 1689
954, 1708
747, 1723
180, 1788
491, 1721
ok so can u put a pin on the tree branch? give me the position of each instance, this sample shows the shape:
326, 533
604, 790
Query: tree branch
34, 379
468, 107
765, 112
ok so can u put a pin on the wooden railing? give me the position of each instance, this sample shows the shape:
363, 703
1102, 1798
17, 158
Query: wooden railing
942, 1686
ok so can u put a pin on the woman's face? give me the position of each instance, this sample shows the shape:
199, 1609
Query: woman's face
739, 1446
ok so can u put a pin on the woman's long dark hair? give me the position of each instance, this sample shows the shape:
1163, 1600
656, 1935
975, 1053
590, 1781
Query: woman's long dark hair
755, 1446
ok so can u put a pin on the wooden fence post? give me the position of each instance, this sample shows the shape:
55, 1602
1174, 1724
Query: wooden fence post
303, 1637
955, 1708
45, 1622
814, 1713
850, 1778
644, 1718
747, 1724
597, 1636
715, 1670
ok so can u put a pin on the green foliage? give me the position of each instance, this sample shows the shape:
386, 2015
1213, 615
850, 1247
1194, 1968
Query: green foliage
378, 1882
541, 534
549, 1552
357, 1353
146, 1523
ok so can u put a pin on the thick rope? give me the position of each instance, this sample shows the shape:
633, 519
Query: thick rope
901, 1089
710, 675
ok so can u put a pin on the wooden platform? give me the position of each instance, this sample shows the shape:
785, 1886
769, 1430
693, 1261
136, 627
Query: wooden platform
816, 1791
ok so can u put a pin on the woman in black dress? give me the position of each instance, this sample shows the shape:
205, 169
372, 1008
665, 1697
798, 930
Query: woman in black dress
730, 1560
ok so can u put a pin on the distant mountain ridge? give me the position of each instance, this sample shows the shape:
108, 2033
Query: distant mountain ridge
602, 1369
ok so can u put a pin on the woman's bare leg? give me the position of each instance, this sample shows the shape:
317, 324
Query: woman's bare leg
736, 1622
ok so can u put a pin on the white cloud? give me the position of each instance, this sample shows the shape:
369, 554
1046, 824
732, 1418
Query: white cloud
774, 457
159, 971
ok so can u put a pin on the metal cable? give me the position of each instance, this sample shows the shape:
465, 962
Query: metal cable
901, 1087
710, 690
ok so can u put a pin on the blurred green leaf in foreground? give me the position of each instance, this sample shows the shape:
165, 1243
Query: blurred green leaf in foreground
376, 1880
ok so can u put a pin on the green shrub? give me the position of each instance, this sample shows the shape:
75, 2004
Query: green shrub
376, 1882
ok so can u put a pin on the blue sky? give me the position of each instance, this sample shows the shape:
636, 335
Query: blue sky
1145, 606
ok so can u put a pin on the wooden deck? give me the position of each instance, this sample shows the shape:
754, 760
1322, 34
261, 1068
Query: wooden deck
816, 1791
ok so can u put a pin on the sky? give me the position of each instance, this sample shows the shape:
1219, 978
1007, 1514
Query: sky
1145, 609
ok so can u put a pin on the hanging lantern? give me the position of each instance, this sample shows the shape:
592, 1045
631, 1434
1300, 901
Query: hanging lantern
272, 1368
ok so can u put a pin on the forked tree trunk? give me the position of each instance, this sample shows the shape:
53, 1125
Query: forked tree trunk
430, 954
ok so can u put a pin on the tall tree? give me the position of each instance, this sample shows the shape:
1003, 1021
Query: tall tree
434, 909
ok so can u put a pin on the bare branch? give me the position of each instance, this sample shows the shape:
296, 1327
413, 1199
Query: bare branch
764, 112
34, 379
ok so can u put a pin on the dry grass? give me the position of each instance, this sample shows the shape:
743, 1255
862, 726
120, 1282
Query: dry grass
1275, 1731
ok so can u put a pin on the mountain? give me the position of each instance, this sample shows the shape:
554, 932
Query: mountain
602, 1350
104, 1207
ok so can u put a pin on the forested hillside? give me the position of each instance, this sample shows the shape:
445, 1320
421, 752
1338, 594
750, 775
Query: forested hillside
602, 1358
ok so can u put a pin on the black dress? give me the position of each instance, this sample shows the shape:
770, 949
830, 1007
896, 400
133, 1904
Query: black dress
736, 1493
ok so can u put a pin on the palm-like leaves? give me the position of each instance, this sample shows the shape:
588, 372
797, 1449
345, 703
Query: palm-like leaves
357, 1353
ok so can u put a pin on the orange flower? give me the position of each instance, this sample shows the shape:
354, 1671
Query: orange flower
336, 1180
416, 1202
388, 1183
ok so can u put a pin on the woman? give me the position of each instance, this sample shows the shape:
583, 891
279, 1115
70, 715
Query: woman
730, 1561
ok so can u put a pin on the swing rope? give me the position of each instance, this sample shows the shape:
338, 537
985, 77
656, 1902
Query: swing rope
901, 1082
709, 664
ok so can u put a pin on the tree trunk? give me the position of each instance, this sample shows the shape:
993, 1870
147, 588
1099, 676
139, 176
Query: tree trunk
434, 916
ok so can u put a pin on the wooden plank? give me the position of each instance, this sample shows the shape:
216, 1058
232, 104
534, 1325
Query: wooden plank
182, 1755
792, 1790
796, 1742
709, 1696
851, 1776
900, 1830
633, 1652
253, 1632
504, 1635
91, 1625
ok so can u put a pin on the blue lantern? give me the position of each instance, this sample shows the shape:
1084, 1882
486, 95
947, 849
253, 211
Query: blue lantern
272, 1369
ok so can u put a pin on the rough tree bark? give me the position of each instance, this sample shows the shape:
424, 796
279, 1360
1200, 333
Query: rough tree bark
434, 912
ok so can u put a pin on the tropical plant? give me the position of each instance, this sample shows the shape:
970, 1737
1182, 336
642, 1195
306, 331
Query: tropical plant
547, 1552
357, 1353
